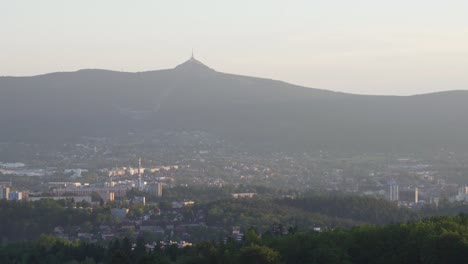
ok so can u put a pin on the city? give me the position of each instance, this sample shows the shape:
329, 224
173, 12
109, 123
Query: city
226, 132
169, 195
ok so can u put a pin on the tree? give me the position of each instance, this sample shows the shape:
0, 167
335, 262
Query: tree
126, 246
251, 237
120, 257
140, 249
95, 197
256, 254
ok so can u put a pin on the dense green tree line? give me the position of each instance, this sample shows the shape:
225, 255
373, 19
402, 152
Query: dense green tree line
28, 220
365, 209
446, 208
434, 240
22, 220
305, 213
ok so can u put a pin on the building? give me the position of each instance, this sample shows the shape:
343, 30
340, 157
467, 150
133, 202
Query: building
462, 194
178, 205
74, 173
139, 199
86, 198
104, 192
237, 234
111, 197
63, 184
151, 226
155, 188
242, 195
119, 213
416, 195
394, 192
4, 192
15, 165
15, 196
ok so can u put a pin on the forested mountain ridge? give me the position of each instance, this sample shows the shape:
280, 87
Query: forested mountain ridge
259, 113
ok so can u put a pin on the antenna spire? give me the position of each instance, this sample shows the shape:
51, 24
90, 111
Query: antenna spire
139, 183
193, 57
139, 167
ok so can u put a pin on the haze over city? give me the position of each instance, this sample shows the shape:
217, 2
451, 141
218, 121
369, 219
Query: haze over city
226, 132
365, 47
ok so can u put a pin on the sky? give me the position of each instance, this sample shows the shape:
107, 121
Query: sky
361, 46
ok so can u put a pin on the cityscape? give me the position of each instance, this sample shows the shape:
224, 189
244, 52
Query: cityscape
153, 195
227, 132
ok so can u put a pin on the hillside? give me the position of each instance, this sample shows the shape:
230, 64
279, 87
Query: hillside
261, 113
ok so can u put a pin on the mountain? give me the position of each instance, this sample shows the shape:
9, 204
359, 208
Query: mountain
260, 113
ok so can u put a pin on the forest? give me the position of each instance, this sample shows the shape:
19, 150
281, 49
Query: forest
22, 220
434, 240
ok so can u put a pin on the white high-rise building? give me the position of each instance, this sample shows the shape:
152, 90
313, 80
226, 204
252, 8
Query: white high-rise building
416, 195
394, 192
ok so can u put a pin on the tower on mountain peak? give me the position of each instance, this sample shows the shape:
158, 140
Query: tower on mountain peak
193, 65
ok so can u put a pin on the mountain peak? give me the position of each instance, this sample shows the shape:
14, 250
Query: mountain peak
193, 64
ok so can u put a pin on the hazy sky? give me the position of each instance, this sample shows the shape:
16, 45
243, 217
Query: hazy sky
368, 46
